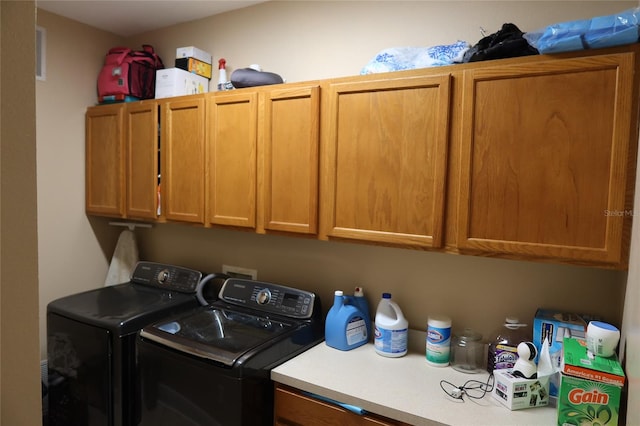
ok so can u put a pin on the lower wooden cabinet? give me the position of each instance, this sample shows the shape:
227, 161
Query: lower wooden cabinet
292, 408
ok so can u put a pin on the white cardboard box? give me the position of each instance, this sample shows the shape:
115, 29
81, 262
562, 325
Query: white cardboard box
178, 82
193, 52
517, 393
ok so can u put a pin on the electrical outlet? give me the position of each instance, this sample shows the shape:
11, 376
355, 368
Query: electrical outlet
239, 272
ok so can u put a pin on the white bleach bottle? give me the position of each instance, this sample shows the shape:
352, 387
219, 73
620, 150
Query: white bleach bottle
391, 329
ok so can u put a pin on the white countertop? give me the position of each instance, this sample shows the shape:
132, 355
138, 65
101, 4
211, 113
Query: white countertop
406, 388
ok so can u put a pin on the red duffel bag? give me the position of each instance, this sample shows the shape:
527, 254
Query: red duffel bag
128, 74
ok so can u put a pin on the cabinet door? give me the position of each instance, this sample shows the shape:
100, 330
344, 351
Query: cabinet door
545, 148
232, 144
292, 408
141, 123
289, 178
385, 160
104, 161
183, 160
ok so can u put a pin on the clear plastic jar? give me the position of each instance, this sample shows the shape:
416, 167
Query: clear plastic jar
468, 351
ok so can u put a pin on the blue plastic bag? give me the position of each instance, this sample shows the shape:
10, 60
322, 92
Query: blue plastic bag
602, 31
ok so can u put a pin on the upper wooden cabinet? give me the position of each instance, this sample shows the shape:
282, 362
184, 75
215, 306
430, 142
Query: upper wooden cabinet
183, 161
530, 158
385, 156
545, 151
142, 142
288, 178
263, 158
232, 158
105, 161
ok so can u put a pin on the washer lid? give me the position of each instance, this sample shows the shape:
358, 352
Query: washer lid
216, 333
123, 308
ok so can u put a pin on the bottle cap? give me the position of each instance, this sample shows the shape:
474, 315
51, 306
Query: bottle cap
338, 293
386, 295
439, 321
358, 292
221, 63
513, 323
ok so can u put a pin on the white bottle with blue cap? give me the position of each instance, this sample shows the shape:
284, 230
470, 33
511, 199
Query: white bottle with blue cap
391, 330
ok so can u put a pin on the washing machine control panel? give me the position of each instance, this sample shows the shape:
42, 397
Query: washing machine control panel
169, 277
269, 297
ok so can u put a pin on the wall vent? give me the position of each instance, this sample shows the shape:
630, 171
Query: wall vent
41, 53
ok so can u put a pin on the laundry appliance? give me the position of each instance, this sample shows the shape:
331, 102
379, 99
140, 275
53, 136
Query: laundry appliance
211, 365
92, 373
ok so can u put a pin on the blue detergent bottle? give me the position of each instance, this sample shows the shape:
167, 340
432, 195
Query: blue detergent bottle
345, 327
360, 302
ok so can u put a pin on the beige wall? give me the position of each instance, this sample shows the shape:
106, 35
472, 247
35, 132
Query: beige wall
301, 41
19, 363
306, 40
71, 251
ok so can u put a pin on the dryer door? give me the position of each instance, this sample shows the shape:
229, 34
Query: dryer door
80, 375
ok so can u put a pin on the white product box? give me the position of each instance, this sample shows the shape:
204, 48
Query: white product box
517, 393
193, 52
178, 82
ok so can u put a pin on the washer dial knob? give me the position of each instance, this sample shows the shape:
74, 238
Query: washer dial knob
163, 276
263, 297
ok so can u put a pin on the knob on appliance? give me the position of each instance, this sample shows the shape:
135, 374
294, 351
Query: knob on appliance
163, 276
263, 297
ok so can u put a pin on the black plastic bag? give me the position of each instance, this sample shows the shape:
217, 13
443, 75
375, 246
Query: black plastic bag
506, 43
248, 77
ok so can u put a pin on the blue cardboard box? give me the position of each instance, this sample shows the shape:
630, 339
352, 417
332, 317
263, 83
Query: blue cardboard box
554, 326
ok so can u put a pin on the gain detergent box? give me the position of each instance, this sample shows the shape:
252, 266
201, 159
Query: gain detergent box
590, 387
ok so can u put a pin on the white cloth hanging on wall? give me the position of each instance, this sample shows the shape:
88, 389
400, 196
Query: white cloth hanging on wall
124, 259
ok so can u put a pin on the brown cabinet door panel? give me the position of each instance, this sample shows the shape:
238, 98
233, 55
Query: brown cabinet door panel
232, 145
104, 161
386, 160
141, 124
183, 160
290, 157
544, 158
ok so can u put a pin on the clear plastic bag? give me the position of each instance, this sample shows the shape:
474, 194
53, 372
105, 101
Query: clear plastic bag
407, 58
602, 31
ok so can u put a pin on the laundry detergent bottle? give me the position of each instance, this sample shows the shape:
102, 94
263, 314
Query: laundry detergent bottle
360, 302
503, 350
345, 327
391, 329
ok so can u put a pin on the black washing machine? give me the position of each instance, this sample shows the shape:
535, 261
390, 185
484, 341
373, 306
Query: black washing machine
211, 366
91, 343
